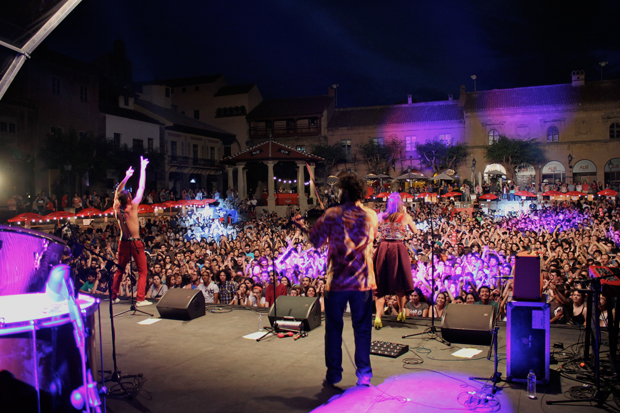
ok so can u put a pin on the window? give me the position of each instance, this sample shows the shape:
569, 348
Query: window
126, 100
3, 127
410, 143
138, 144
493, 136
12, 128
346, 146
167, 92
150, 143
212, 149
55, 86
83, 93
196, 114
195, 150
117, 140
377, 141
445, 138
55, 131
173, 148
553, 134
614, 131
301, 148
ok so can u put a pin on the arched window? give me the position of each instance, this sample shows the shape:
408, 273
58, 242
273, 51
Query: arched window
553, 134
614, 131
493, 136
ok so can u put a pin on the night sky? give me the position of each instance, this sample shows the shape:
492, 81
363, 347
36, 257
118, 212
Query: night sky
377, 52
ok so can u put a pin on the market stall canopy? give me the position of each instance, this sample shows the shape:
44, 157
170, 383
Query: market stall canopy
488, 197
332, 179
608, 192
495, 172
371, 176
411, 175
525, 193
443, 177
26, 216
88, 212
23, 26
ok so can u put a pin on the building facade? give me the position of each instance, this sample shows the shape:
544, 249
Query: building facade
577, 124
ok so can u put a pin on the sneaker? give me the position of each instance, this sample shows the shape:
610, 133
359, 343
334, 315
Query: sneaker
143, 303
118, 300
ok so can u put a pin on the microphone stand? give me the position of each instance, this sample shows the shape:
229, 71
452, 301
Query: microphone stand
132, 306
115, 376
432, 330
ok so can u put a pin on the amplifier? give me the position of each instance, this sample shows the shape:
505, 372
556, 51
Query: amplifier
387, 349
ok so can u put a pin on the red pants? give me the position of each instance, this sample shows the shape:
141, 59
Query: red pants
127, 249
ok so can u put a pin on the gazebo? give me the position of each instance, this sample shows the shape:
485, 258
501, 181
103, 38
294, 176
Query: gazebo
270, 153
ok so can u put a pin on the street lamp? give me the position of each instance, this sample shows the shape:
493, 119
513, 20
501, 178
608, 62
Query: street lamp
473, 165
474, 77
570, 161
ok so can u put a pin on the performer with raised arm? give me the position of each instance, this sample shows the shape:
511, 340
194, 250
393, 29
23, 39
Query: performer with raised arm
392, 262
130, 244
349, 231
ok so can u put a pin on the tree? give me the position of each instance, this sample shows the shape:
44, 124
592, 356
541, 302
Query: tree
84, 154
439, 155
380, 157
332, 155
510, 153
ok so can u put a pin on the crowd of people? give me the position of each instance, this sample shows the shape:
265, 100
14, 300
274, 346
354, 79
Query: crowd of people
474, 257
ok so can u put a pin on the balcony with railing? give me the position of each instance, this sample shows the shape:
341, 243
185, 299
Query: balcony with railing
285, 128
187, 161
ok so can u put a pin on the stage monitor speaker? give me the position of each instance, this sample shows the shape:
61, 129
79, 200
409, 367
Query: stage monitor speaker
468, 324
527, 280
304, 309
182, 304
527, 341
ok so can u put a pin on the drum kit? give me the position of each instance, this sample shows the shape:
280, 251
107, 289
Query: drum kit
47, 342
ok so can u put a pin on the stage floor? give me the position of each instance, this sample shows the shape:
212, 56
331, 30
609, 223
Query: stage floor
205, 365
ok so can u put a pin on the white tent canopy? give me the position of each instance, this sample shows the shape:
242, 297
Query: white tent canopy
22, 28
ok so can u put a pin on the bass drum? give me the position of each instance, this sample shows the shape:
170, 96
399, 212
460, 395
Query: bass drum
40, 364
26, 258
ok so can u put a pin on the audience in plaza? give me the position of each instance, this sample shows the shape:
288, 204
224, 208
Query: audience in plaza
235, 263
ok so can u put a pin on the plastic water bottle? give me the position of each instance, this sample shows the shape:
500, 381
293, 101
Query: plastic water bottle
531, 385
260, 328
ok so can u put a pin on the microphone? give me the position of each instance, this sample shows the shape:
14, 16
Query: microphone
59, 287
56, 287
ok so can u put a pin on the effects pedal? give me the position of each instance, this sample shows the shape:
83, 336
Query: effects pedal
387, 349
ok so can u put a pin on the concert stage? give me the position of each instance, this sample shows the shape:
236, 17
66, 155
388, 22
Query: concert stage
205, 365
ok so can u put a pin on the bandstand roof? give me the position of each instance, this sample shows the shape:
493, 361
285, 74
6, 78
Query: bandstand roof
270, 151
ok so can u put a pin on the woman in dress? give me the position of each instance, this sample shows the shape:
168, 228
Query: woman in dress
392, 262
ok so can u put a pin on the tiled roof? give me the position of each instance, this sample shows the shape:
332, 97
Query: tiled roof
185, 81
397, 114
298, 106
186, 124
128, 114
596, 92
234, 90
270, 150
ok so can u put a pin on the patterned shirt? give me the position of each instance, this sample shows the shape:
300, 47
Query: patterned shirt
227, 291
349, 230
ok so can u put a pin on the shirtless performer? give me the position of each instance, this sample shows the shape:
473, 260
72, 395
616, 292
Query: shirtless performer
130, 244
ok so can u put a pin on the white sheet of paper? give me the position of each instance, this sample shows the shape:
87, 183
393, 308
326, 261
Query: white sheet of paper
149, 321
255, 336
467, 352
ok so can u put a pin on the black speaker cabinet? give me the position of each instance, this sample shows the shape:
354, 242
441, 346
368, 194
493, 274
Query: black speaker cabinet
182, 304
527, 281
468, 324
527, 341
304, 309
